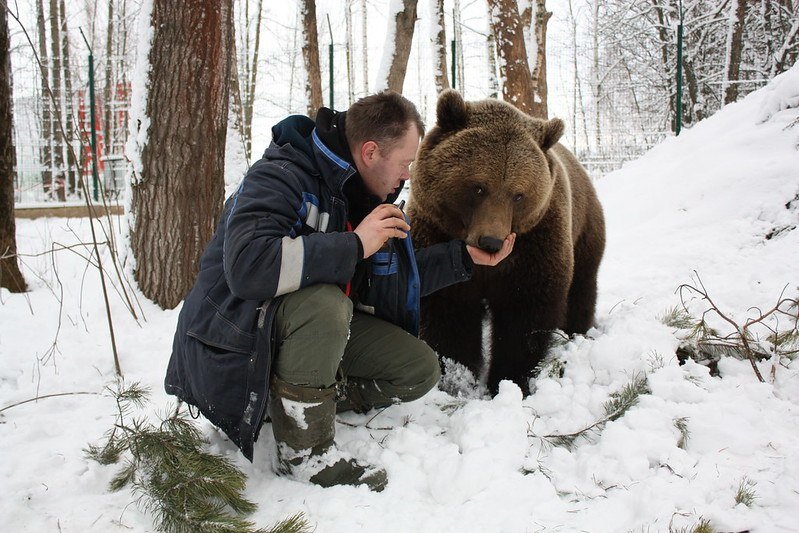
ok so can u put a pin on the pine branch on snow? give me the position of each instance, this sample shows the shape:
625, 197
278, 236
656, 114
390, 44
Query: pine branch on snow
762, 335
615, 407
682, 426
183, 486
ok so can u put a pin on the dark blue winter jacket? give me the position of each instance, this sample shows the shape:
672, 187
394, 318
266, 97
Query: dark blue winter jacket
285, 229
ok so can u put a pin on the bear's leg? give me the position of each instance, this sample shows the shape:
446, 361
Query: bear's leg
523, 327
583, 290
453, 329
517, 348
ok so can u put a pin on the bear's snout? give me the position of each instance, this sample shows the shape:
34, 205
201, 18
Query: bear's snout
489, 244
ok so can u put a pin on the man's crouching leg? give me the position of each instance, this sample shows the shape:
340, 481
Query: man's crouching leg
384, 364
313, 329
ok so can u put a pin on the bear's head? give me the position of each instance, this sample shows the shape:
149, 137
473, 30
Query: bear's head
484, 170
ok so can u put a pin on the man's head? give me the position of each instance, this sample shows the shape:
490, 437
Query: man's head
383, 131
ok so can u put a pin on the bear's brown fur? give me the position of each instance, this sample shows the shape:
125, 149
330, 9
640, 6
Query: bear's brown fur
486, 170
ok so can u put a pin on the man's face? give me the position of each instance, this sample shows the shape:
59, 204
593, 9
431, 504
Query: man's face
384, 171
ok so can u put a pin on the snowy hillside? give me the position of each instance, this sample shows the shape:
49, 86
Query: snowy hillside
722, 200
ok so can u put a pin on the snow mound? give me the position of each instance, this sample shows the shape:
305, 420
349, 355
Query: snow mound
782, 93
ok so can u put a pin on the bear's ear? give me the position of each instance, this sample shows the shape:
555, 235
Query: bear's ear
451, 111
551, 132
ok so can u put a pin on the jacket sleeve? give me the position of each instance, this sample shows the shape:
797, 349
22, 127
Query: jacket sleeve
263, 254
442, 265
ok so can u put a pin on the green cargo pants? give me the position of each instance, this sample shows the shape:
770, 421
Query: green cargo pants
320, 340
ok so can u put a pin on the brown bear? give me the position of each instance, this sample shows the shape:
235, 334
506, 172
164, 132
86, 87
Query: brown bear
486, 170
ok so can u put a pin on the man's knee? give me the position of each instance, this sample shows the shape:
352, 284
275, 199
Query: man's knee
423, 373
319, 310
313, 328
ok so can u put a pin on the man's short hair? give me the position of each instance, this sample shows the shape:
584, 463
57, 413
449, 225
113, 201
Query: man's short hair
383, 118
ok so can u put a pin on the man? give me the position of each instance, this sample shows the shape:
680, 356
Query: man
308, 294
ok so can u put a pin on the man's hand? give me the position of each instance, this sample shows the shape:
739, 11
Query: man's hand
481, 257
380, 225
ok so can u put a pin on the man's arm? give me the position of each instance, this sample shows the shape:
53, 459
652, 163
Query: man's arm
263, 255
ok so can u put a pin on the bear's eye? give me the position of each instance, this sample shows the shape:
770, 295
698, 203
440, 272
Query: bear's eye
479, 191
518, 197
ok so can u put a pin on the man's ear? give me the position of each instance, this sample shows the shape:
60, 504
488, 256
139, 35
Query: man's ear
451, 111
368, 151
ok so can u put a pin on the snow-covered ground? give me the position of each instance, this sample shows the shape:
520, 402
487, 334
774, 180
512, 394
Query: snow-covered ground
704, 202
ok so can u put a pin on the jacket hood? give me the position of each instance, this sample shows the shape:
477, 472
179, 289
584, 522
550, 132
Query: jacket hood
291, 140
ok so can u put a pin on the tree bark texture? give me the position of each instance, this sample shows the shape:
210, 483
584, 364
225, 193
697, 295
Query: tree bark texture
72, 168
310, 54
491, 50
177, 200
734, 48
59, 180
46, 152
364, 48
506, 23
109, 81
349, 50
10, 276
440, 48
539, 70
404, 23
249, 98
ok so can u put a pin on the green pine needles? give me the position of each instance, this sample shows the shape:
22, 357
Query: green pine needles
185, 488
615, 407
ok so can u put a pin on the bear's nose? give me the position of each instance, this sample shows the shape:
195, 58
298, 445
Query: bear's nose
489, 244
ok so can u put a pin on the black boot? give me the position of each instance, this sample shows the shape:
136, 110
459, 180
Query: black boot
303, 421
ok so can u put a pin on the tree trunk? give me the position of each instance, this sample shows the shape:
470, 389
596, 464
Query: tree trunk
178, 197
734, 48
109, 51
249, 96
310, 54
491, 50
513, 67
459, 80
365, 49
539, 69
440, 47
58, 138
121, 89
236, 102
10, 276
349, 52
398, 49
71, 178
664, 42
46, 152
596, 85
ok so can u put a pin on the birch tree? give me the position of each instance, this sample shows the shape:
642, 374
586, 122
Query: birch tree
518, 87
70, 130
397, 50
46, 151
732, 65
57, 99
364, 48
10, 276
177, 198
348, 50
439, 43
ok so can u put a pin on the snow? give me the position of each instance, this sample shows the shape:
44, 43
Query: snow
296, 411
701, 204
781, 93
